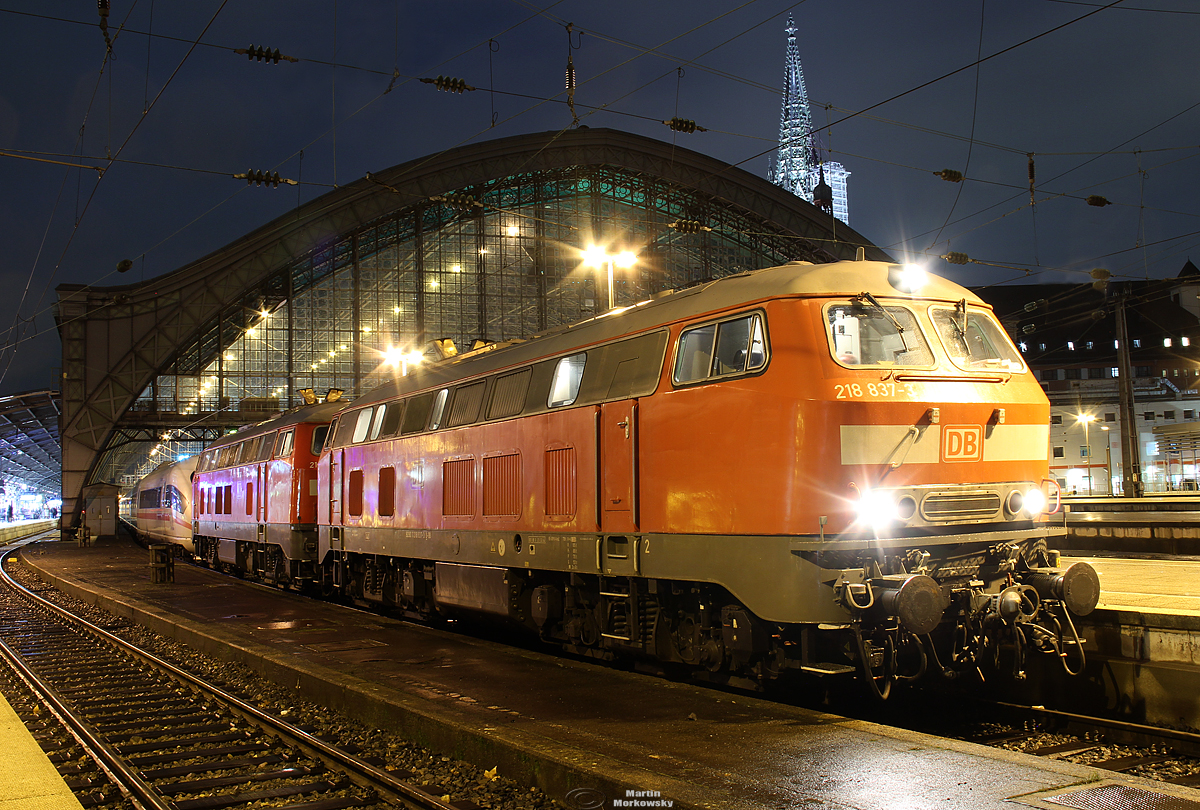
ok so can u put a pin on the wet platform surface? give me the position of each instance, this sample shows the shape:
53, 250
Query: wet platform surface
1146, 585
563, 724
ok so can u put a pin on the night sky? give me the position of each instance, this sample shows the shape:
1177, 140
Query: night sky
1109, 105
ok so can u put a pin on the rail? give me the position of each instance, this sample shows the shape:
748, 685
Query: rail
70, 707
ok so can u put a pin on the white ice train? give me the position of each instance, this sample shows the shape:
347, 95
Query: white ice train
162, 504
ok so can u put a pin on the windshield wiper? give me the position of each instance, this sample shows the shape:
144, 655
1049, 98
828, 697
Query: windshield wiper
899, 329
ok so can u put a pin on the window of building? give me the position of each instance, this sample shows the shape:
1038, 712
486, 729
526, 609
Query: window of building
1056, 418
1149, 416
1141, 371
1110, 417
1137, 343
1048, 374
1083, 451
1096, 374
1070, 345
1189, 414
1168, 414
1059, 452
1074, 373
1116, 372
1090, 345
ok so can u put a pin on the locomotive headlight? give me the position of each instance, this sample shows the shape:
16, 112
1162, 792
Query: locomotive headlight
1035, 501
907, 278
876, 509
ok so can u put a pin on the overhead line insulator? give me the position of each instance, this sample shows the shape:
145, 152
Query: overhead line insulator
260, 178
688, 226
1098, 201
257, 53
684, 125
950, 175
458, 201
956, 258
449, 84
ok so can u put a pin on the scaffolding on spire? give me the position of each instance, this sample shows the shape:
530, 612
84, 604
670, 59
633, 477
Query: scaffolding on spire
798, 165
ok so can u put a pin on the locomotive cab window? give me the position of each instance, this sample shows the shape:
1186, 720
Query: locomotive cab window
318, 439
735, 346
283, 445
974, 340
564, 388
863, 332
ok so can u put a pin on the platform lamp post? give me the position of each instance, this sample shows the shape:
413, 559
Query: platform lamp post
1108, 456
596, 257
1087, 419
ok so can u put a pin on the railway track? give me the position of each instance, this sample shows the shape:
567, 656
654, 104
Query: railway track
127, 728
1167, 755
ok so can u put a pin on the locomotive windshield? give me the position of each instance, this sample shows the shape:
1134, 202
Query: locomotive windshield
864, 333
974, 340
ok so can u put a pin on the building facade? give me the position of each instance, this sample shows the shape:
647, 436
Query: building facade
1068, 336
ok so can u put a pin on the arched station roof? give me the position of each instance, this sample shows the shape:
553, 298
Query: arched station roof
480, 241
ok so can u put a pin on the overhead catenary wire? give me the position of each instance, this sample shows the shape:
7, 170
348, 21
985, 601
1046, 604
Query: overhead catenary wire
613, 111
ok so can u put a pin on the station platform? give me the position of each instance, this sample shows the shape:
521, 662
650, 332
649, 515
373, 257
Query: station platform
28, 780
1146, 585
565, 725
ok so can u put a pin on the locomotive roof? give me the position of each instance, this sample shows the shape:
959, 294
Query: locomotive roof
320, 412
792, 280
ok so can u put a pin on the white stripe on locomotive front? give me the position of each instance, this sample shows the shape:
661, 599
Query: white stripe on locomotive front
890, 444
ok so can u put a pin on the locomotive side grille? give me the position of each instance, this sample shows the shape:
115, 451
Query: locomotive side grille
502, 485
960, 505
560, 482
458, 487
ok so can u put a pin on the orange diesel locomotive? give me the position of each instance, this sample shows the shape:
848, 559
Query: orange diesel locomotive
814, 467
255, 494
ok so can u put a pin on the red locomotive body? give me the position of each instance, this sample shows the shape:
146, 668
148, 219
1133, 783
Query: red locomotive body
255, 496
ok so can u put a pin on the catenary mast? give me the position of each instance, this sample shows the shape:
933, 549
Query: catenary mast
798, 165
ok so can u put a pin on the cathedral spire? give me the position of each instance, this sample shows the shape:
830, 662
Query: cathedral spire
798, 165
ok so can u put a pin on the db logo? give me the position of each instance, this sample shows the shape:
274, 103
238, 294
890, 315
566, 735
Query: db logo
962, 443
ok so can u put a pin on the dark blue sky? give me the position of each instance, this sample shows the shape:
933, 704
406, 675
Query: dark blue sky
1109, 105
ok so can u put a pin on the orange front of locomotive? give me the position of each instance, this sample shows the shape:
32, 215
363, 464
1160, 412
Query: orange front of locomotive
934, 423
